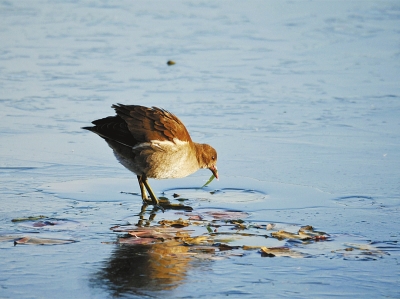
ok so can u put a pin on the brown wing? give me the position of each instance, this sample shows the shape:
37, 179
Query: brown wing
146, 124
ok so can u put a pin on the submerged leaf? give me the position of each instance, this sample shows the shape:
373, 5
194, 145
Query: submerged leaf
43, 223
30, 218
224, 247
50, 223
228, 215
167, 205
238, 224
137, 241
280, 235
207, 251
196, 240
309, 231
4, 238
41, 241
175, 223
182, 199
270, 226
155, 234
246, 247
280, 251
158, 232
195, 217
360, 252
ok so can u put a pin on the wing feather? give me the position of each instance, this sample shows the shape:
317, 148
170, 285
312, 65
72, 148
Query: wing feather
146, 124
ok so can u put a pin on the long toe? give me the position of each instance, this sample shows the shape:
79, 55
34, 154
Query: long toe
158, 206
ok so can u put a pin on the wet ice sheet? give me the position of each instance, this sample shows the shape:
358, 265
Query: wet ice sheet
344, 243
303, 96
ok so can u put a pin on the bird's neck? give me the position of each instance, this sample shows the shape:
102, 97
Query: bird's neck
199, 149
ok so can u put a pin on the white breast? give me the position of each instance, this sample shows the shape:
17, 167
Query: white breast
167, 159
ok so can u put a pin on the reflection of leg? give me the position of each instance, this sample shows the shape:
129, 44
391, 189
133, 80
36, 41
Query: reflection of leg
142, 188
152, 216
143, 213
143, 209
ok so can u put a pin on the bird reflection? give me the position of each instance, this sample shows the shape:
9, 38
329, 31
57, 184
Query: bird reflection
142, 216
144, 268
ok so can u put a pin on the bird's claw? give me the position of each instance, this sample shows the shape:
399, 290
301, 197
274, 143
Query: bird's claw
159, 207
156, 205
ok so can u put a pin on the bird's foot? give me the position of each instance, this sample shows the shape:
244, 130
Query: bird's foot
156, 205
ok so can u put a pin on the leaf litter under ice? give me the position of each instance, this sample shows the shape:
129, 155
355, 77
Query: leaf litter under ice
40, 222
218, 233
210, 232
353, 251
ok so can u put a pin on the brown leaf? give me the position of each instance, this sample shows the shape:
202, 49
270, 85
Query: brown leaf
137, 241
43, 223
41, 241
224, 247
195, 217
227, 215
280, 235
246, 247
280, 251
203, 249
308, 230
164, 233
196, 240
30, 218
175, 223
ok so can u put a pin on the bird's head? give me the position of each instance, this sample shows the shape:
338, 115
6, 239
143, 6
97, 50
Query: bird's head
207, 157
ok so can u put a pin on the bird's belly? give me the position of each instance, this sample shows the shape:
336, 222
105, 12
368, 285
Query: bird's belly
159, 160
170, 166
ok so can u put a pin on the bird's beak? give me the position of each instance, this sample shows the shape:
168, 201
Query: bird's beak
214, 170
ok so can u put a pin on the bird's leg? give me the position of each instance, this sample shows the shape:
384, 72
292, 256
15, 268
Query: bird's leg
142, 190
151, 193
143, 209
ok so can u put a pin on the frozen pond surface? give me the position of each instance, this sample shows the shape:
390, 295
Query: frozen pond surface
300, 98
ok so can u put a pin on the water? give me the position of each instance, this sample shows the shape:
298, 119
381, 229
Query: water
301, 100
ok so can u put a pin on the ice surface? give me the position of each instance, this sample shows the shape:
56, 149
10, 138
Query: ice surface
300, 98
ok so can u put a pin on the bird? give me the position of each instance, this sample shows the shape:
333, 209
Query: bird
153, 143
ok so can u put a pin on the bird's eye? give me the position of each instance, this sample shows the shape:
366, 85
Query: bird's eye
213, 157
